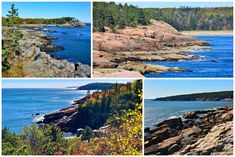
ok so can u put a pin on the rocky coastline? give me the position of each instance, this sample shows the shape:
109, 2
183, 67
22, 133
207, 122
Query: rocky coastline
36, 62
64, 118
205, 132
71, 120
127, 49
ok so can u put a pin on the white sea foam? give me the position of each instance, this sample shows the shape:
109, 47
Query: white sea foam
38, 118
69, 135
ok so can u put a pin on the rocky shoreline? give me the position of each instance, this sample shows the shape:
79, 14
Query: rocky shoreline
36, 62
127, 48
71, 120
65, 118
206, 132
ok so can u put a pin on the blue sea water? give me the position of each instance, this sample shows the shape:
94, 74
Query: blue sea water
75, 41
217, 62
157, 111
18, 105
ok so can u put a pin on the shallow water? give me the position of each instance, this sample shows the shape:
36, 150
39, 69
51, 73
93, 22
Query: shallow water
157, 111
217, 62
75, 41
18, 105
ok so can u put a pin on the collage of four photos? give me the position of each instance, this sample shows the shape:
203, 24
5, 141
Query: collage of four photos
117, 78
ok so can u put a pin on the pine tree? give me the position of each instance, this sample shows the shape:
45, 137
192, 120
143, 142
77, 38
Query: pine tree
13, 14
14, 33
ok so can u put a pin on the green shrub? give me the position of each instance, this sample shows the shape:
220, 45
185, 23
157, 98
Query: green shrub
87, 133
5, 63
42, 140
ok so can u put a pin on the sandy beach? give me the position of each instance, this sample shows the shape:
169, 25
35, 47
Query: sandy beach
208, 33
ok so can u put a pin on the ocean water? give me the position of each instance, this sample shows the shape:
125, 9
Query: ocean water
75, 41
157, 111
18, 105
217, 62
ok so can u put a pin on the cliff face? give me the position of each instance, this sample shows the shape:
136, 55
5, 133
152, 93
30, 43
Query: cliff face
207, 132
156, 42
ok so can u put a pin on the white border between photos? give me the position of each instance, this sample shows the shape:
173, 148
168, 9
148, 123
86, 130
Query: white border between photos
120, 77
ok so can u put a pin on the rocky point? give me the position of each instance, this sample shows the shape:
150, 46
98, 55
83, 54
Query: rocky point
36, 62
130, 46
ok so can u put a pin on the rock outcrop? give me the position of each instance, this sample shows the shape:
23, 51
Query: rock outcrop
157, 42
74, 118
207, 132
34, 46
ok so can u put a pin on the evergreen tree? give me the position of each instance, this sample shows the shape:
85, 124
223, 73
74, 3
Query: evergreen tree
87, 134
13, 14
15, 34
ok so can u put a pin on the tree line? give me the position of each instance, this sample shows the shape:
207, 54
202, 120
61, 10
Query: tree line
62, 20
215, 96
118, 16
187, 18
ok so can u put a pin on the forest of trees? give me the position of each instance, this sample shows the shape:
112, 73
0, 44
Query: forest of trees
213, 96
97, 86
184, 18
120, 108
63, 20
116, 15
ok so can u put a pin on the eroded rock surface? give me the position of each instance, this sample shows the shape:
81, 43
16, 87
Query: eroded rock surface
207, 132
157, 42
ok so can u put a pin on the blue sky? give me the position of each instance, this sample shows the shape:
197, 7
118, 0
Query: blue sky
178, 4
54, 83
161, 88
80, 10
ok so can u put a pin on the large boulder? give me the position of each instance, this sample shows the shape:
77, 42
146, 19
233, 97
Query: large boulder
172, 122
190, 115
108, 29
79, 131
228, 116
